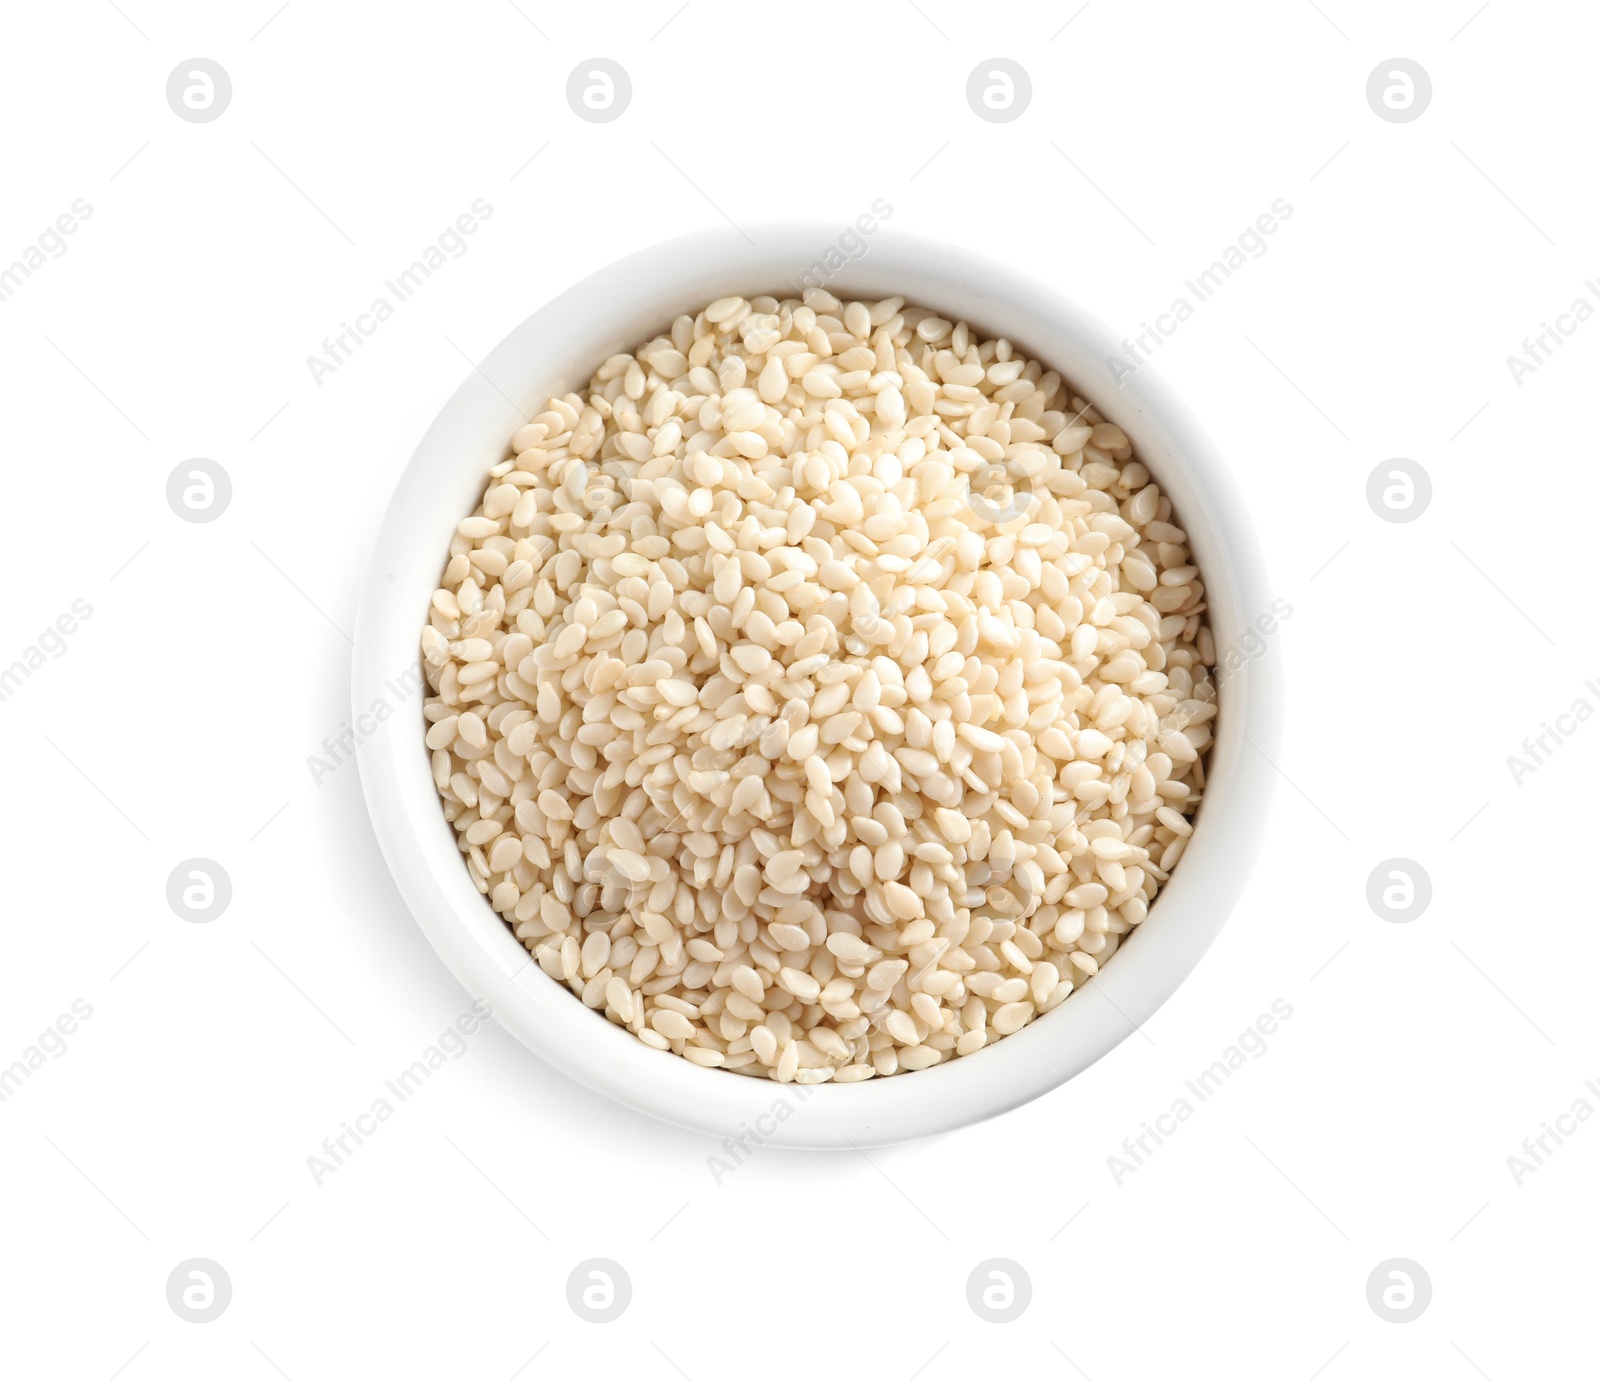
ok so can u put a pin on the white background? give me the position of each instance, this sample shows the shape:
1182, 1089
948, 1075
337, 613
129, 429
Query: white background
179, 719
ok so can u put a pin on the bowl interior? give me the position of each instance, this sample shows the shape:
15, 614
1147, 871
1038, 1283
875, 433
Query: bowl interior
556, 351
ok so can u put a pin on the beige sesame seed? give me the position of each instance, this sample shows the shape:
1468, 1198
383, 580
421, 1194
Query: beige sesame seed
813, 765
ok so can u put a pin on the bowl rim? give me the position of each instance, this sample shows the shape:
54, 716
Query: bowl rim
433, 492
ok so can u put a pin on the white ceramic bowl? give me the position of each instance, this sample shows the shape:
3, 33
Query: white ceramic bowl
556, 350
